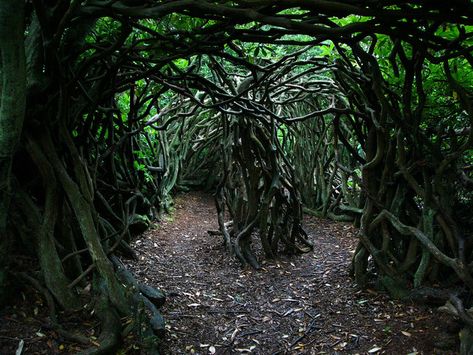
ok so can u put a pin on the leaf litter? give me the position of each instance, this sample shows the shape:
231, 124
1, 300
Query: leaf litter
306, 304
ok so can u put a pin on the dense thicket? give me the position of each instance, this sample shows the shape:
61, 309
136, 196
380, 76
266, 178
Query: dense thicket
354, 110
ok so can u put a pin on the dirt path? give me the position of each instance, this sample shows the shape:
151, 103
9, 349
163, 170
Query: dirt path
306, 304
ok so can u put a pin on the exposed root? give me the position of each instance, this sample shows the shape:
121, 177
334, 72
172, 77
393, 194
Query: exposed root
110, 335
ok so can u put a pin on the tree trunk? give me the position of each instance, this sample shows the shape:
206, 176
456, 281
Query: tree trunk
12, 110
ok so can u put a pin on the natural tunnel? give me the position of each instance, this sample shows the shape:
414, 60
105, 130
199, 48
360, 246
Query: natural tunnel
357, 111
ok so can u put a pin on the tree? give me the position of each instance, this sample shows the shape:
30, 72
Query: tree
104, 80
12, 108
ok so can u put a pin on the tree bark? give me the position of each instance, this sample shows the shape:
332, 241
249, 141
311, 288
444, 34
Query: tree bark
12, 109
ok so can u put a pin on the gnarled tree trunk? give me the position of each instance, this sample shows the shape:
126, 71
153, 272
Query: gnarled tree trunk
12, 112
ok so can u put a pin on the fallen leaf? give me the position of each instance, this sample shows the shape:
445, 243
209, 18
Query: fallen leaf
288, 312
234, 334
374, 350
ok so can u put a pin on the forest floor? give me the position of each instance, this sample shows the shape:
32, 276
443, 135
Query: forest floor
305, 304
